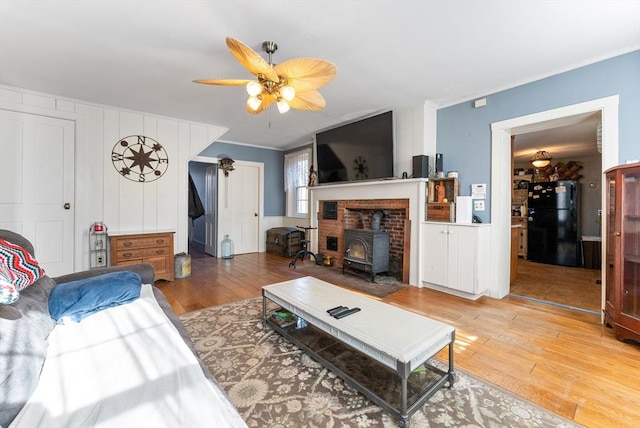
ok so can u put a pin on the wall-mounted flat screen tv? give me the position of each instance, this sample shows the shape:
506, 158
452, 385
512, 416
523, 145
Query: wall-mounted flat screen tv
361, 150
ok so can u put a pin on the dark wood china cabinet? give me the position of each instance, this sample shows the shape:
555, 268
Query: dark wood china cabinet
622, 305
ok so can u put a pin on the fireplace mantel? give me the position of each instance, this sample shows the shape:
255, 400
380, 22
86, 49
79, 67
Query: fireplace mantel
413, 189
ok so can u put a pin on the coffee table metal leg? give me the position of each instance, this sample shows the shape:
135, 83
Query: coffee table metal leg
404, 418
451, 373
264, 311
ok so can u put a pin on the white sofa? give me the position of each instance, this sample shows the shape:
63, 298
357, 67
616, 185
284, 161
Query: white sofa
132, 364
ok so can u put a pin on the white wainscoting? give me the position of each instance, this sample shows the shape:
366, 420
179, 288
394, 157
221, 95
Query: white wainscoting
101, 193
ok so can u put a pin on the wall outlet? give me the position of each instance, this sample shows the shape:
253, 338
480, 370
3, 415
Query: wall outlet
478, 205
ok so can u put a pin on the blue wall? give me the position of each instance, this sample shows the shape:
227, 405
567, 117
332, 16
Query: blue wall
274, 201
464, 132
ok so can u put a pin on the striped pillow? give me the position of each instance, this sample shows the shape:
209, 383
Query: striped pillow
18, 265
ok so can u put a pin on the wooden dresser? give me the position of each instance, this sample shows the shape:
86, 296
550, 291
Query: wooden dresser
155, 248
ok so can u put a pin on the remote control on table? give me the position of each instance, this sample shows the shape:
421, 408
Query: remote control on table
346, 313
339, 311
334, 310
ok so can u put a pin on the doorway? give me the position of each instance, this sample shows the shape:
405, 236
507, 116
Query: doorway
203, 229
502, 174
575, 154
233, 206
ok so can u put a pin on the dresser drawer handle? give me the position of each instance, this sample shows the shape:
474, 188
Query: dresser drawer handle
127, 244
159, 241
127, 255
159, 251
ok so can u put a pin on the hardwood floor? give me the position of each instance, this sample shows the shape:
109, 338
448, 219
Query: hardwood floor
569, 286
562, 360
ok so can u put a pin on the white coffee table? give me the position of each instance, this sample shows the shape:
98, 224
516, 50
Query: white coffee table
396, 341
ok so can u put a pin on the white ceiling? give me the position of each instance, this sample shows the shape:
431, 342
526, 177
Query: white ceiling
143, 55
573, 136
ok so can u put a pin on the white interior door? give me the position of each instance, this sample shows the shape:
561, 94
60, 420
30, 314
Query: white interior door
238, 207
37, 188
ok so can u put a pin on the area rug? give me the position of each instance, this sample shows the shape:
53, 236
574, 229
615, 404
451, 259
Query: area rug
382, 286
274, 384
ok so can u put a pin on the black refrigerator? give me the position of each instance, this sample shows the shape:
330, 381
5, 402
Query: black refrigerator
553, 226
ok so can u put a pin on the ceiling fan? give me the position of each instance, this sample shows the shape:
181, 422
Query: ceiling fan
291, 84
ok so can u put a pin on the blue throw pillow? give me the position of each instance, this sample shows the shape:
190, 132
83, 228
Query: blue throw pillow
79, 299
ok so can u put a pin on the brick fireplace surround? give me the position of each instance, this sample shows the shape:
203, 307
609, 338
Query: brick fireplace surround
404, 199
395, 222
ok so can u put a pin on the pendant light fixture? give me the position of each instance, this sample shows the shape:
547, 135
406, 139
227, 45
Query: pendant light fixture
541, 159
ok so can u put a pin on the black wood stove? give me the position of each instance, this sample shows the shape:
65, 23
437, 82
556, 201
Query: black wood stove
366, 250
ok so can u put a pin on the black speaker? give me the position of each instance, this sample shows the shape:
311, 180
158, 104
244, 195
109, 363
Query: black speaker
439, 162
420, 166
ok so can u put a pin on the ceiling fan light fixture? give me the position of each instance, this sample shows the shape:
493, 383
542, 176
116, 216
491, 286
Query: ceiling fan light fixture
288, 92
290, 84
254, 88
541, 159
283, 106
254, 102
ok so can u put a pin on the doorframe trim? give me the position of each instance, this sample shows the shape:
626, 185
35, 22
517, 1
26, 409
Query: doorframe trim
501, 177
260, 165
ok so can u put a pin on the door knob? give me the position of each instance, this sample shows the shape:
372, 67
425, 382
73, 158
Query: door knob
255, 214
67, 206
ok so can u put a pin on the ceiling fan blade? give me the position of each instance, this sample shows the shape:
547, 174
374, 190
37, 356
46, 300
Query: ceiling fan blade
310, 100
223, 82
306, 73
267, 101
250, 59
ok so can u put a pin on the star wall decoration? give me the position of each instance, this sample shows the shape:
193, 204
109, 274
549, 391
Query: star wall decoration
139, 158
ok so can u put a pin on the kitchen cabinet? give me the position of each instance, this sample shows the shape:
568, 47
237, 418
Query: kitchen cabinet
522, 235
519, 210
456, 256
622, 251
515, 237
154, 248
519, 197
522, 177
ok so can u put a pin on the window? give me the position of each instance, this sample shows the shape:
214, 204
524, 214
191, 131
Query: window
302, 200
296, 174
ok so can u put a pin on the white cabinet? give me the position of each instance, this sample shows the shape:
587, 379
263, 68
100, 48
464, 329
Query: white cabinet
456, 256
435, 242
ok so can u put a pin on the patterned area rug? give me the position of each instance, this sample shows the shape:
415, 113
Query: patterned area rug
274, 384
